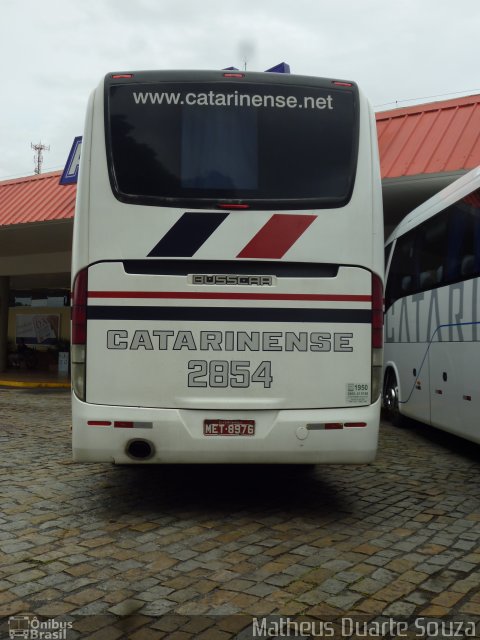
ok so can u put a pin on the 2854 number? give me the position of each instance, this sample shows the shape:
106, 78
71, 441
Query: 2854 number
226, 373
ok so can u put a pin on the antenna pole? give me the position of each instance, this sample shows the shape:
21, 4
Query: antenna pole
38, 157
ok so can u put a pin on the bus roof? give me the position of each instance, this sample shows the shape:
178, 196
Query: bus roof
444, 198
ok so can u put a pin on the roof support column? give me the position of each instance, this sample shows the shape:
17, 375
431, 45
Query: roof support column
4, 294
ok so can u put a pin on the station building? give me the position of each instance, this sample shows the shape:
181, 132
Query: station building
423, 148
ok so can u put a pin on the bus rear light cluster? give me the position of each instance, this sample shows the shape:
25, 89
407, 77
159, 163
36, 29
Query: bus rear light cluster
129, 424
120, 424
342, 425
377, 336
377, 313
79, 308
330, 426
79, 332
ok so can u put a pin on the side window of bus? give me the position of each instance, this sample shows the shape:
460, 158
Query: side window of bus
463, 255
432, 249
441, 250
388, 249
401, 280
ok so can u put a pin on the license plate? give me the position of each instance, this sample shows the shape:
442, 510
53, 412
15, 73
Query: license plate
229, 427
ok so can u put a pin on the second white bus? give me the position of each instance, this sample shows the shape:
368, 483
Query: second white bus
432, 319
227, 271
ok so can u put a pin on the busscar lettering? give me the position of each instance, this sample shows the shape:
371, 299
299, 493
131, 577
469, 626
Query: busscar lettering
233, 279
289, 341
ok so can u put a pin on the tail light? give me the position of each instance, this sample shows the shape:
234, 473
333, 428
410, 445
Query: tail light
79, 332
377, 336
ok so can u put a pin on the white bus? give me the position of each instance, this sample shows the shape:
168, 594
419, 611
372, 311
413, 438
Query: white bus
432, 330
227, 271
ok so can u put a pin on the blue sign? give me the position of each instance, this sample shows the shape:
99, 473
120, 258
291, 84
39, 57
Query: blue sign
283, 67
70, 173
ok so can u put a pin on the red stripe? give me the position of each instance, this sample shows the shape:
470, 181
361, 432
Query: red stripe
277, 236
191, 295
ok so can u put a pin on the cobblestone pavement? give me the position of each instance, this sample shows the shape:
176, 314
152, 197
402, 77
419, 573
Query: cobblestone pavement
152, 552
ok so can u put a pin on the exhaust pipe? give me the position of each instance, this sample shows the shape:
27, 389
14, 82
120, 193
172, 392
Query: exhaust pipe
140, 449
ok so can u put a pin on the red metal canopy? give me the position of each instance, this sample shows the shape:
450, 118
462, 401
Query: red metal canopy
439, 137
36, 198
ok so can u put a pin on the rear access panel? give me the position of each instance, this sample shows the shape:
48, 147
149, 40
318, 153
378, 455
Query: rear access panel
197, 335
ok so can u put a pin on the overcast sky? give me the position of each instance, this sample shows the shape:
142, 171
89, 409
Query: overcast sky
54, 52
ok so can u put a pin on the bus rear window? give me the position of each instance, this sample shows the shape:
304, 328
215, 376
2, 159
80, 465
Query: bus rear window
198, 144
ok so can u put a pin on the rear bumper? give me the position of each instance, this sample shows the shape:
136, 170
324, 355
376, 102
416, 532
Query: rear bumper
176, 435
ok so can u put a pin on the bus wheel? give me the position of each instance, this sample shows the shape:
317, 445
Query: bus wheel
390, 400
